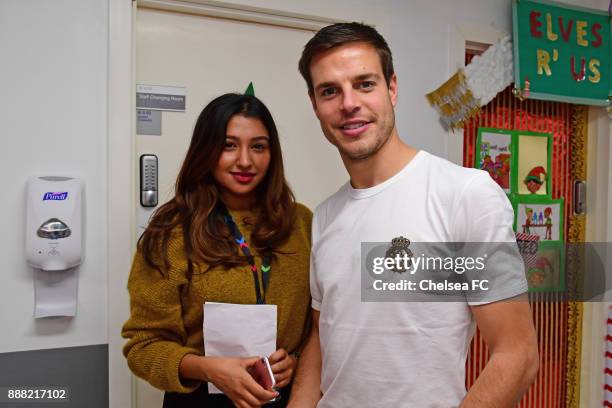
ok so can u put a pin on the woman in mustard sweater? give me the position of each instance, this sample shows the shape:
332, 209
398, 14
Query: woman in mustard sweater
231, 188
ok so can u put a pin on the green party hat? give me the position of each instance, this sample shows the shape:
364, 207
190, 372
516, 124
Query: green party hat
250, 90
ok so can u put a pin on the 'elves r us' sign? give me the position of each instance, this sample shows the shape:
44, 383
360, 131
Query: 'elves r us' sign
562, 53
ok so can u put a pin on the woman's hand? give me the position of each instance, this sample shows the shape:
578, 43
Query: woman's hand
230, 375
283, 367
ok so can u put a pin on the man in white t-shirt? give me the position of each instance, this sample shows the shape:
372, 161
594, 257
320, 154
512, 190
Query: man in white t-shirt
400, 354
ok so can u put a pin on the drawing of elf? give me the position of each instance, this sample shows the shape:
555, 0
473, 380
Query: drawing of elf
502, 170
487, 164
548, 223
499, 170
535, 179
528, 216
541, 272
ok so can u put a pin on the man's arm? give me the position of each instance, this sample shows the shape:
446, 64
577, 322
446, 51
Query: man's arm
507, 328
306, 390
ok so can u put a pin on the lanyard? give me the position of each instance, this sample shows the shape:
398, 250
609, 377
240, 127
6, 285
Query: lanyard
244, 246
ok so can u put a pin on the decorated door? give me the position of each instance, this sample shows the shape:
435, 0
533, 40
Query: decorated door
536, 150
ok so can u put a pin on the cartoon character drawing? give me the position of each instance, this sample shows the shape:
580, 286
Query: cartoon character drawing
541, 272
488, 165
535, 178
528, 217
503, 173
499, 170
548, 223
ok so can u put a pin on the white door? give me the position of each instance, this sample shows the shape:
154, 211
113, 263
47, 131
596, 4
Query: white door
209, 57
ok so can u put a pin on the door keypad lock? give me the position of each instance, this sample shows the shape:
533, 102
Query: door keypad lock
148, 180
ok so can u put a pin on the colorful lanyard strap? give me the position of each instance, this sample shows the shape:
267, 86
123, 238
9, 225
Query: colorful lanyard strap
244, 246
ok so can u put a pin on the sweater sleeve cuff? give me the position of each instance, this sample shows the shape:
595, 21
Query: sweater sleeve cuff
176, 382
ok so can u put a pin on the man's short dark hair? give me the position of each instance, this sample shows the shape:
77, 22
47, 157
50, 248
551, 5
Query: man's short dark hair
339, 34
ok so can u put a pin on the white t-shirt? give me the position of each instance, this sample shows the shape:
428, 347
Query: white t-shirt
401, 354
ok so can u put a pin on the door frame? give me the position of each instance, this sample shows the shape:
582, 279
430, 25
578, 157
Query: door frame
251, 14
460, 36
122, 196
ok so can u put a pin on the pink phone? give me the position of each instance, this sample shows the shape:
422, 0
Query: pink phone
262, 373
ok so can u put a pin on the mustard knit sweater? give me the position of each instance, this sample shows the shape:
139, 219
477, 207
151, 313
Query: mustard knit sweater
166, 311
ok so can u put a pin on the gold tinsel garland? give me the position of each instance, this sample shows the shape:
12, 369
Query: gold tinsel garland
576, 233
454, 101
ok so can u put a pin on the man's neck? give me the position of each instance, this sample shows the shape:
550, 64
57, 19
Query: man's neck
392, 157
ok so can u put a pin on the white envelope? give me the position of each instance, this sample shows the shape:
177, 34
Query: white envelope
232, 330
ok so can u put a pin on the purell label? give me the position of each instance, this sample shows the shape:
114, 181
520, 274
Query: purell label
57, 196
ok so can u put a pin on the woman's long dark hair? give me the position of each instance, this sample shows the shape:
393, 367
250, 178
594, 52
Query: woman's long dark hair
196, 202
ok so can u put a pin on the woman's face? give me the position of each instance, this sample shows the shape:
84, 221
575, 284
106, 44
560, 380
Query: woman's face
244, 161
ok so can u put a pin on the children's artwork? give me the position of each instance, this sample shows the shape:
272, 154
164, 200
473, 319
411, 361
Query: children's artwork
535, 179
544, 219
534, 159
494, 155
546, 273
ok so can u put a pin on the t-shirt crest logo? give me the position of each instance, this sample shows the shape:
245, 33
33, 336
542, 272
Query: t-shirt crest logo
399, 247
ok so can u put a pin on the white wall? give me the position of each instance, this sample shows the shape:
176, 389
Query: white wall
53, 122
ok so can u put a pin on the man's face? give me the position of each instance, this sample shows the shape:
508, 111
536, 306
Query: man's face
353, 102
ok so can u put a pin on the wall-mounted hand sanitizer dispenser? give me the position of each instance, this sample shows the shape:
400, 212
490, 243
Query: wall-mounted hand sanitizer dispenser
54, 223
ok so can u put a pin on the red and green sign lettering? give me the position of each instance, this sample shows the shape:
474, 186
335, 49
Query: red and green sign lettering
562, 52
